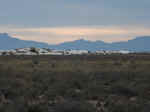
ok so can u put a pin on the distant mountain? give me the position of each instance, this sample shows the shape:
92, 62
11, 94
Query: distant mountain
7, 42
139, 44
83, 44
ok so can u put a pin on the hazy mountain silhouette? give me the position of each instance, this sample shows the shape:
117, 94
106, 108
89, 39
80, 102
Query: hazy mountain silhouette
83, 44
137, 44
7, 42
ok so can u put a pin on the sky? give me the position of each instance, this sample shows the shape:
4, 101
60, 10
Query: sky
57, 21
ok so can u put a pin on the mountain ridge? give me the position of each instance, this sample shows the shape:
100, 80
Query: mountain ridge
139, 44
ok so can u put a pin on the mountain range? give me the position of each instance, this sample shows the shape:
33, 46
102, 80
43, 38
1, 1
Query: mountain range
139, 44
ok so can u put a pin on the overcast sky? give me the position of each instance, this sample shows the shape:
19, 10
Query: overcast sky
56, 21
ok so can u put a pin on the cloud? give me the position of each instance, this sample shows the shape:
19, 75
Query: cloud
55, 35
